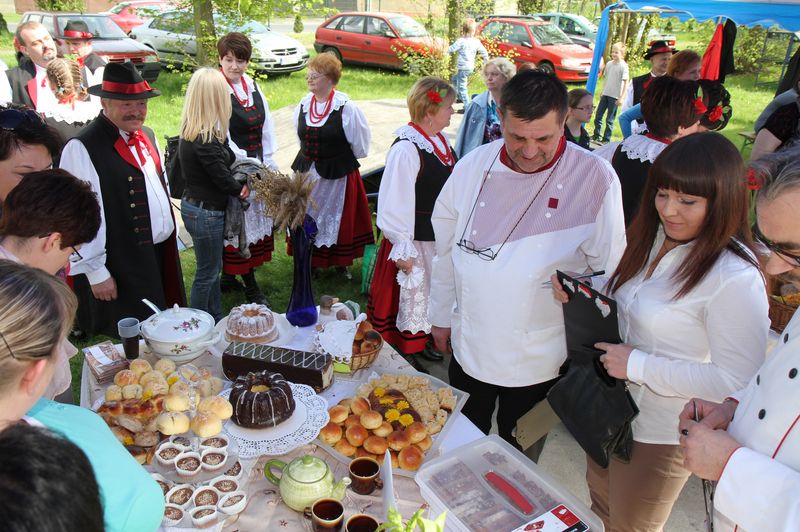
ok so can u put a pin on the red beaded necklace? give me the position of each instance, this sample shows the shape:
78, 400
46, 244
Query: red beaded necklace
313, 116
242, 102
447, 156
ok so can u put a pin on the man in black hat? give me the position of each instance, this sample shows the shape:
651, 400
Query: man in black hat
27, 84
135, 254
659, 55
79, 42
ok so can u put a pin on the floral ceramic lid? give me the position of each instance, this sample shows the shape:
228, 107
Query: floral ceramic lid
178, 324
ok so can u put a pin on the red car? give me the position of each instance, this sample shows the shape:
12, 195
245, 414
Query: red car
373, 38
531, 40
130, 14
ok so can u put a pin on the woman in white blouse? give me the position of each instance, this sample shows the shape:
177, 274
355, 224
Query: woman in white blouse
417, 166
333, 134
693, 315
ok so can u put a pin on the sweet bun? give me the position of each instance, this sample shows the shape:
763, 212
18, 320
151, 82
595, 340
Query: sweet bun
169, 423
205, 424
124, 436
375, 445
164, 366
359, 405
113, 408
363, 453
154, 388
372, 340
217, 405
416, 432
410, 458
179, 388
383, 430
346, 403
338, 414
172, 378
344, 447
140, 366
176, 403
125, 377
393, 456
425, 444
204, 388
145, 438
151, 376
351, 420
138, 453
113, 393
356, 435
132, 391
363, 327
331, 433
371, 419
217, 385
398, 440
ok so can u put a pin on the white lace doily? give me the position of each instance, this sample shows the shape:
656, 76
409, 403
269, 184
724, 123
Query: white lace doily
310, 415
336, 338
642, 147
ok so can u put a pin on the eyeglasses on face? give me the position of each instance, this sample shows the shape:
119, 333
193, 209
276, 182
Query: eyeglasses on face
10, 119
586, 108
75, 256
775, 248
314, 77
484, 253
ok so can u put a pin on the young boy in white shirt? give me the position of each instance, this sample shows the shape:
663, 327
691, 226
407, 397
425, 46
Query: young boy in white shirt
616, 73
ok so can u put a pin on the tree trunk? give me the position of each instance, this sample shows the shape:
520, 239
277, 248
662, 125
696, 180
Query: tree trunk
3, 25
205, 35
455, 17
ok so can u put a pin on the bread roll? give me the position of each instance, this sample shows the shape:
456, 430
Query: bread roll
176, 403
154, 388
217, 385
331, 433
172, 378
371, 419
416, 432
113, 408
393, 456
217, 405
384, 430
410, 458
398, 440
205, 424
372, 340
132, 391
140, 366
125, 377
346, 403
138, 453
129, 422
338, 414
145, 438
363, 453
164, 366
169, 423
113, 393
124, 436
204, 388
359, 405
425, 444
179, 388
356, 435
344, 447
375, 445
151, 376
351, 420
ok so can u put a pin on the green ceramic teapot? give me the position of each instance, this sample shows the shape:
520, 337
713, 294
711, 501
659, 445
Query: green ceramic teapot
304, 480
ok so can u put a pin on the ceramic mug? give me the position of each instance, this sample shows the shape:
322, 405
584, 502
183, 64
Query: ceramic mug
361, 523
364, 473
326, 515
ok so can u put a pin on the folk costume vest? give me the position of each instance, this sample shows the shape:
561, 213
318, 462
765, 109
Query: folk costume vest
23, 85
247, 124
326, 146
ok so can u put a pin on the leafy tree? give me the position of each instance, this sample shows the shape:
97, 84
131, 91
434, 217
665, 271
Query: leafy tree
61, 5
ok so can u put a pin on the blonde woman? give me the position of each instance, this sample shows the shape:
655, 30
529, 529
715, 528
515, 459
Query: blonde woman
205, 159
36, 313
73, 107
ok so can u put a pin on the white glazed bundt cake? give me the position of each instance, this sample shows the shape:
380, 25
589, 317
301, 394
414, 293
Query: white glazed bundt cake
251, 323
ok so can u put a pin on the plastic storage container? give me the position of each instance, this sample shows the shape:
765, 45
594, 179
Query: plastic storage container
465, 483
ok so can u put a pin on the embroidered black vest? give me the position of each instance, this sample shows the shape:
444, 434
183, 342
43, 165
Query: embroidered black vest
247, 124
640, 83
18, 78
326, 146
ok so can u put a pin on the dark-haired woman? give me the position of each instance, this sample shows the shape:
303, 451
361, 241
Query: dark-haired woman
693, 316
672, 109
251, 134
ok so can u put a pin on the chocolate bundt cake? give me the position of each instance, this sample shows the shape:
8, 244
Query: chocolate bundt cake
261, 399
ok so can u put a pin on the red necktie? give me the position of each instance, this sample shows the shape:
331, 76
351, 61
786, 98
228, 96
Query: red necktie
80, 61
135, 139
44, 81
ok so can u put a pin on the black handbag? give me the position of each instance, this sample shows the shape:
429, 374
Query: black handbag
172, 167
596, 408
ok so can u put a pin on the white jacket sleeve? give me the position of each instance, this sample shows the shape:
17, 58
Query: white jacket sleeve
269, 142
6, 94
75, 159
737, 325
759, 493
356, 129
396, 199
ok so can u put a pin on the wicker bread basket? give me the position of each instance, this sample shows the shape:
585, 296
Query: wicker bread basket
780, 312
363, 360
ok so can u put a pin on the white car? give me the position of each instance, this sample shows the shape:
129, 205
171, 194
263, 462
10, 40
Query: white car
171, 34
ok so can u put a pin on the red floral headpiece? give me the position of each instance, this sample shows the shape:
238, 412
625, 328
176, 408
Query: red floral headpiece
436, 97
699, 107
715, 114
754, 181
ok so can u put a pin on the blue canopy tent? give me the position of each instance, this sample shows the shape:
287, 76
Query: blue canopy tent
785, 13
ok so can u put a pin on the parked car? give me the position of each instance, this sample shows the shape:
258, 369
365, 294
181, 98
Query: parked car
171, 34
577, 27
109, 41
535, 41
374, 38
137, 12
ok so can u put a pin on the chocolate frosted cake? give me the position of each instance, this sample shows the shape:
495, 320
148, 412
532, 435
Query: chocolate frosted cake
261, 400
301, 367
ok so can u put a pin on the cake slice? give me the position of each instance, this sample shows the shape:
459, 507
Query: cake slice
300, 367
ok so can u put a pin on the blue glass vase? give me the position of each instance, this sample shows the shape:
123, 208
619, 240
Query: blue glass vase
302, 311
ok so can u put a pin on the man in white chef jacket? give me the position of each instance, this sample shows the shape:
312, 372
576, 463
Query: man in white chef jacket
512, 213
756, 461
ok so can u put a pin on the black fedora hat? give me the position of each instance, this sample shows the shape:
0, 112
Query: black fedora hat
121, 81
77, 29
659, 47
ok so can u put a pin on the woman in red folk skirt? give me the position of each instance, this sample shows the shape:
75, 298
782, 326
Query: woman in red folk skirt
333, 134
417, 166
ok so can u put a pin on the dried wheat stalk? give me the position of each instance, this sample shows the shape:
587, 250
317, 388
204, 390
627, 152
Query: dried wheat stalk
287, 197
